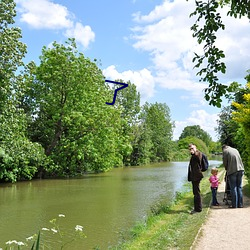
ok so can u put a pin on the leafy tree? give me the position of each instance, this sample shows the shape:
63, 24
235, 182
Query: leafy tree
241, 116
19, 157
183, 144
215, 147
128, 101
69, 115
208, 23
12, 50
157, 121
142, 145
227, 127
196, 131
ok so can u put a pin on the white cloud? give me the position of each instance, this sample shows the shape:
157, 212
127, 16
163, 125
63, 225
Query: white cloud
165, 33
159, 12
83, 34
234, 41
44, 14
200, 117
143, 80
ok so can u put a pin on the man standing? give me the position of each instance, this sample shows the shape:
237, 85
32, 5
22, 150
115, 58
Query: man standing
195, 175
235, 170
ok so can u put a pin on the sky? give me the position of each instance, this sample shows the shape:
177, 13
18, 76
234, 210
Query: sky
147, 42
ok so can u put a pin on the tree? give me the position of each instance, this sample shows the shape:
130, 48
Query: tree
69, 115
157, 121
196, 131
184, 142
208, 23
12, 50
242, 117
128, 101
19, 157
142, 145
229, 130
227, 127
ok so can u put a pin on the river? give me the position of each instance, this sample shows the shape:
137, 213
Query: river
104, 204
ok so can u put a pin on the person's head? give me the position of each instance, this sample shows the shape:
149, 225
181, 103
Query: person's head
214, 171
192, 148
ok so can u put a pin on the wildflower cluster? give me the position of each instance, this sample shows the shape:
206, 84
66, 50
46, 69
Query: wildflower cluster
40, 240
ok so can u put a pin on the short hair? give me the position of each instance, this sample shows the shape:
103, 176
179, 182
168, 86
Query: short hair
214, 170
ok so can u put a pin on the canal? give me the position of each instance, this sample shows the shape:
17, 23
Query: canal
105, 204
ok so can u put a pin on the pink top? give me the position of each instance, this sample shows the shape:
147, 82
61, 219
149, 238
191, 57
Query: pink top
214, 181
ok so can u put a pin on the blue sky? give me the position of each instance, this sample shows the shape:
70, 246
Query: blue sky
148, 42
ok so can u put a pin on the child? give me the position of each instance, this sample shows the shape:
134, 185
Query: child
214, 185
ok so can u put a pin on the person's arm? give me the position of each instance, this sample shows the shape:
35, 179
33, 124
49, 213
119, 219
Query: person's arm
224, 159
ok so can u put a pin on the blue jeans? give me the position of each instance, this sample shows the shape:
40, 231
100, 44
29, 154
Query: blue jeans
214, 196
235, 182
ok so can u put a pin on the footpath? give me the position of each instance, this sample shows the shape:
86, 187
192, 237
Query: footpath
225, 228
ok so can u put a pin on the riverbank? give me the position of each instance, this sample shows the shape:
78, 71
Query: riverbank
172, 227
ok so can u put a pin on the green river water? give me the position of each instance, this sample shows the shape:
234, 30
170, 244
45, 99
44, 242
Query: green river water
104, 204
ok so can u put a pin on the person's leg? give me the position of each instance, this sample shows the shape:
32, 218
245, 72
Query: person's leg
239, 188
197, 196
213, 196
233, 188
216, 189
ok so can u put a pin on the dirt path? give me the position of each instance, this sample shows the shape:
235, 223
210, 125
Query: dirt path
225, 228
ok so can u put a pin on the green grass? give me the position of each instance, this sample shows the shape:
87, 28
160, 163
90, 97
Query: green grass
170, 226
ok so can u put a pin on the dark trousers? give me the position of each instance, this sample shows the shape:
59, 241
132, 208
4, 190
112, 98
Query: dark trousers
214, 196
197, 196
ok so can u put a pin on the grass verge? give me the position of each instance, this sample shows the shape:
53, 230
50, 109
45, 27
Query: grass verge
170, 226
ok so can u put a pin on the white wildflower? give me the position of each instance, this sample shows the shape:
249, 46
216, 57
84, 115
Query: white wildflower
54, 230
20, 243
45, 229
10, 242
61, 215
78, 228
29, 238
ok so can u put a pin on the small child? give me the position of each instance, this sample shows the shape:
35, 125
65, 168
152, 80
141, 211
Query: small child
214, 185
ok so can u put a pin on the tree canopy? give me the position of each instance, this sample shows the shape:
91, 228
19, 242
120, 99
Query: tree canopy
196, 131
